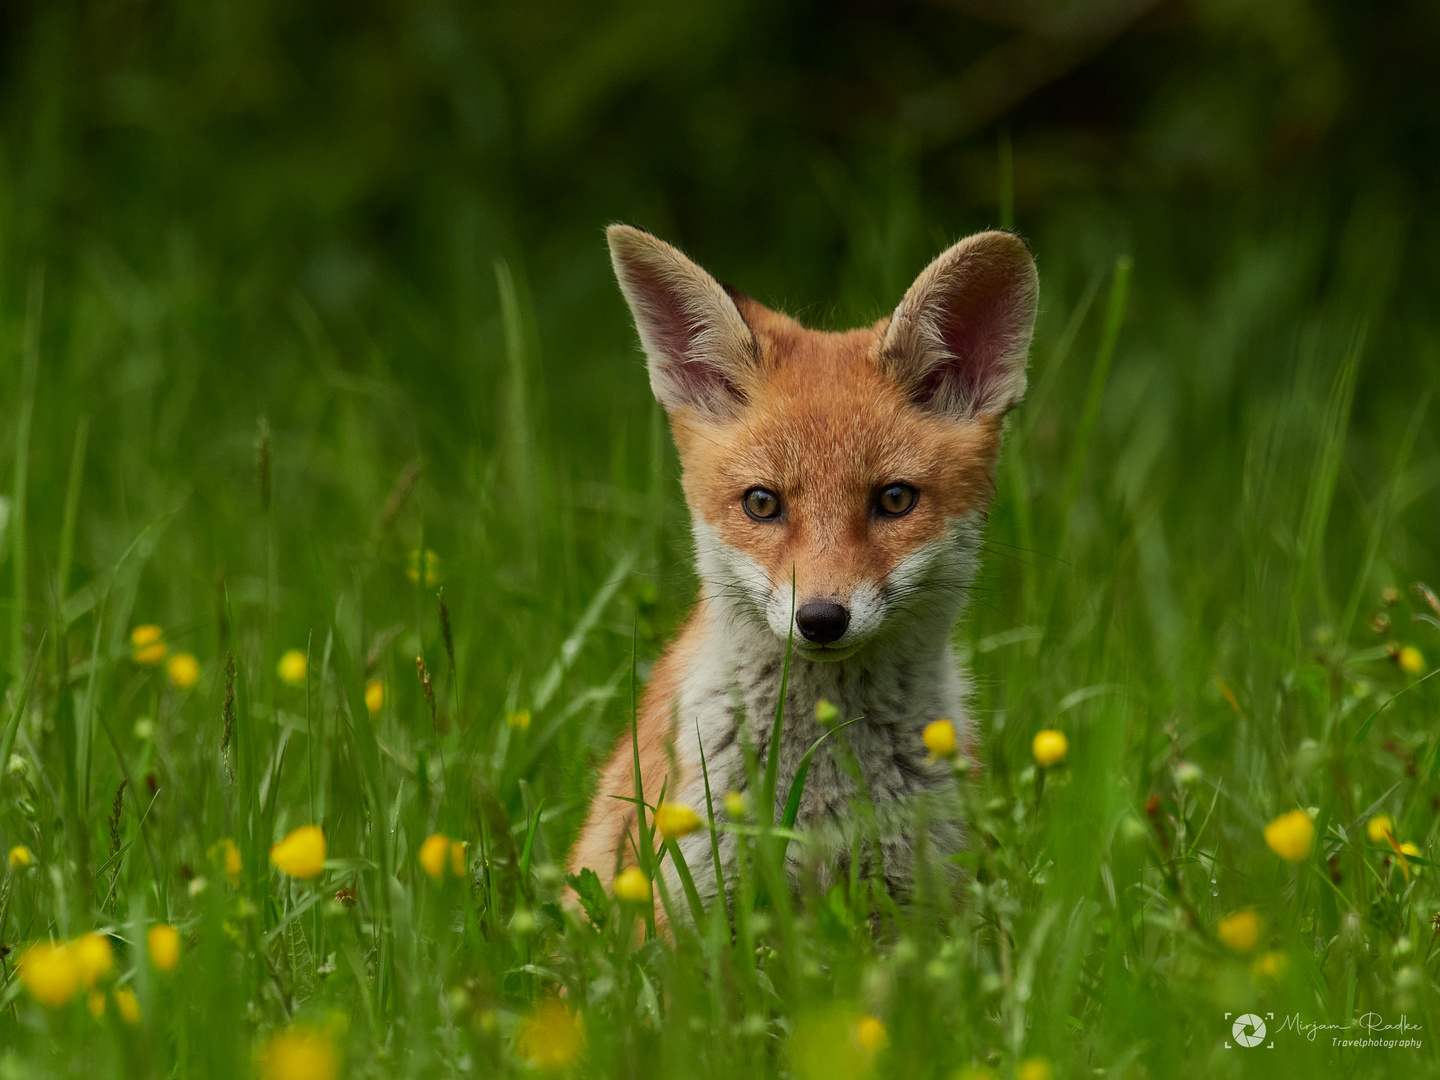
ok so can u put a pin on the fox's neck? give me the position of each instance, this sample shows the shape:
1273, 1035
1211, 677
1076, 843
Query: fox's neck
896, 685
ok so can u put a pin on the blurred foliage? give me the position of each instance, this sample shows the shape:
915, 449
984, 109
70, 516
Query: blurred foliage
377, 229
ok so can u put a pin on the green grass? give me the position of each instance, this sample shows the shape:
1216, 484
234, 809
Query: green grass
1218, 472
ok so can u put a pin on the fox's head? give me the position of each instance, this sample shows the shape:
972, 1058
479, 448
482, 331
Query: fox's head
853, 468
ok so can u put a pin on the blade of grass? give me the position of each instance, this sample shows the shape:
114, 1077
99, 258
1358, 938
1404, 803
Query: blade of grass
29, 364
772, 759
797, 785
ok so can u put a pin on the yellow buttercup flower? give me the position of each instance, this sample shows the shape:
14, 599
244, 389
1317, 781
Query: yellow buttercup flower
95, 1002
374, 696
1378, 827
184, 670
94, 958
300, 1053
1409, 850
939, 739
128, 1005
1291, 835
1270, 965
292, 667
20, 857
552, 1037
735, 805
1239, 931
1049, 747
434, 854
519, 720
458, 860
225, 851
674, 820
870, 1034
302, 853
1035, 1068
164, 942
50, 973
147, 644
432, 567
1410, 660
632, 885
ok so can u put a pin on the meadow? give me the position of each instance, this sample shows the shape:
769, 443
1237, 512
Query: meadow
330, 569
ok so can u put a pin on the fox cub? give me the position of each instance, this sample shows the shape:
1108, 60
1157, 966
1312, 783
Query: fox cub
838, 485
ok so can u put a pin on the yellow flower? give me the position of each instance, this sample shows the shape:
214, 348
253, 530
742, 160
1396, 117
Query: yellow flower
826, 712
870, 1034
299, 1053
95, 1002
1378, 827
735, 805
148, 644
302, 853
519, 720
1410, 660
374, 696
20, 857
674, 820
164, 942
633, 885
1049, 747
1291, 835
127, 1004
1034, 1069
50, 973
1409, 850
432, 567
1239, 931
552, 1037
94, 958
434, 853
184, 670
939, 738
1270, 965
458, 860
225, 851
291, 668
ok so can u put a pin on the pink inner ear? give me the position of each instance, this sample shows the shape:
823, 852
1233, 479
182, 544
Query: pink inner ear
979, 328
677, 333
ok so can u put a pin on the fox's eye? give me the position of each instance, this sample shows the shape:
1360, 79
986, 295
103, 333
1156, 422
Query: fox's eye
895, 500
762, 505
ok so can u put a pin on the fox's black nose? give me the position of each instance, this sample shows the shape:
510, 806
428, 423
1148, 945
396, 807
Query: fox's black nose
822, 623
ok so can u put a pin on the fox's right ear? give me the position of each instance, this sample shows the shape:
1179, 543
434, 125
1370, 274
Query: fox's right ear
701, 354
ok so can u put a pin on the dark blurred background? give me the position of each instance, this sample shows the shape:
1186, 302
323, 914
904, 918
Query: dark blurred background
375, 157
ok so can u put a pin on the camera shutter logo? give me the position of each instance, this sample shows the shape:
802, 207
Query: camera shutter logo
1249, 1030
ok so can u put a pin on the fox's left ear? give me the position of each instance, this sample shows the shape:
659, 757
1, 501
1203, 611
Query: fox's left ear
959, 340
